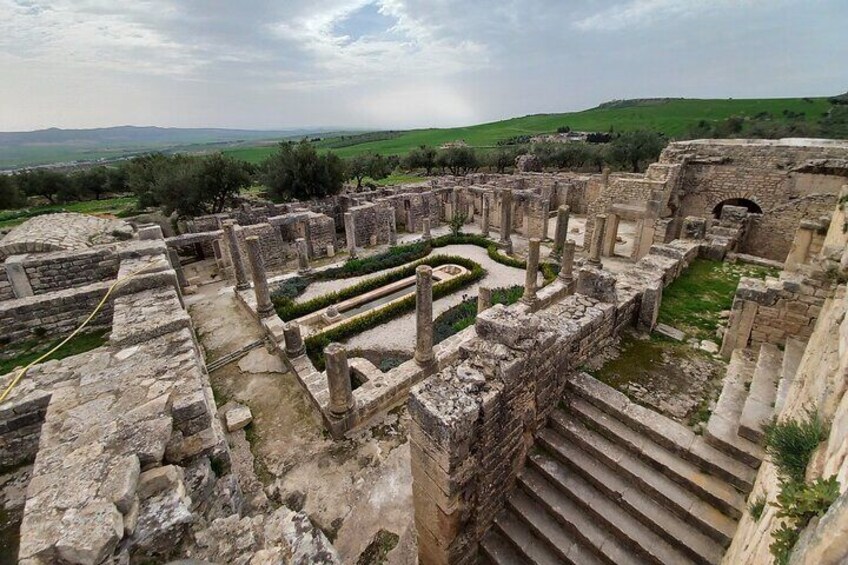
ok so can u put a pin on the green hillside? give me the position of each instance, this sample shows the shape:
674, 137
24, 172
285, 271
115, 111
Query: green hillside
674, 117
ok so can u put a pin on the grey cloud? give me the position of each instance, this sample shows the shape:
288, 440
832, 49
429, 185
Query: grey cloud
86, 63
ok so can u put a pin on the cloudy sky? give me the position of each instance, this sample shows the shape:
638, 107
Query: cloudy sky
398, 63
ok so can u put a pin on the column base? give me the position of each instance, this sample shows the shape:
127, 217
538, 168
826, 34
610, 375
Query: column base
266, 312
425, 361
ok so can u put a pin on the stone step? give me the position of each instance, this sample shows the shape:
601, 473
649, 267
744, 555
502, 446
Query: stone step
669, 494
723, 425
569, 516
496, 548
666, 433
708, 488
539, 536
628, 530
792, 354
759, 405
567, 462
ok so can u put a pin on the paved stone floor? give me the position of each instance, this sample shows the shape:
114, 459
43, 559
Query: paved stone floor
351, 489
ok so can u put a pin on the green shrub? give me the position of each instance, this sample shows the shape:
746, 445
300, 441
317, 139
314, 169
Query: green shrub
757, 506
798, 503
790, 445
289, 289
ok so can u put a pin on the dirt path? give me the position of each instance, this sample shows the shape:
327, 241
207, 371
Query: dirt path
353, 488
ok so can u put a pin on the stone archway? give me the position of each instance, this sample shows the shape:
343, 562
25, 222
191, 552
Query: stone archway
751, 206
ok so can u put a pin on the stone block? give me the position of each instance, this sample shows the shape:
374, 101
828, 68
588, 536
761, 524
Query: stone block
238, 417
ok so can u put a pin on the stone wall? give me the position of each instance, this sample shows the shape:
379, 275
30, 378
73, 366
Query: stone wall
784, 219
6, 292
49, 272
473, 422
55, 314
371, 222
118, 432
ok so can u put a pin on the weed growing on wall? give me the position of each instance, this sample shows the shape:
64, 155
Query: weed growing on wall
790, 445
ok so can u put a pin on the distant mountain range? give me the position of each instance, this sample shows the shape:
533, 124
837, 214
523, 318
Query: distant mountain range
70, 146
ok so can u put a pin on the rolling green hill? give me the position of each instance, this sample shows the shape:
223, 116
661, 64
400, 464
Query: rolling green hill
674, 117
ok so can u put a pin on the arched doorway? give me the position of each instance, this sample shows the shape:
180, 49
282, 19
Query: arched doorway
753, 207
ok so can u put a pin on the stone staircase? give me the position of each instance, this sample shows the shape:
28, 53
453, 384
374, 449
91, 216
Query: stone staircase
609, 481
754, 388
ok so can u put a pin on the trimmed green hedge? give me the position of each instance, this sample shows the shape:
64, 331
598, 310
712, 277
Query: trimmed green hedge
393, 257
287, 309
315, 344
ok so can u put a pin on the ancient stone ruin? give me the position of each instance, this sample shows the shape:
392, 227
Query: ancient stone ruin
257, 397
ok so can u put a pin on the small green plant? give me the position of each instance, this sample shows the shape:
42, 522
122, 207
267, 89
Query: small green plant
790, 445
757, 506
798, 503
457, 221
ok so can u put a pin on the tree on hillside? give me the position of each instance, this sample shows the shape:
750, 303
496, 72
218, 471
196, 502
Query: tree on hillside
187, 185
50, 185
297, 171
634, 148
143, 173
91, 182
501, 159
422, 157
219, 180
370, 165
458, 160
10, 196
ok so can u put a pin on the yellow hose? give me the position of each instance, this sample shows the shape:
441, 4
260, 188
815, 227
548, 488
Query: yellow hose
90, 317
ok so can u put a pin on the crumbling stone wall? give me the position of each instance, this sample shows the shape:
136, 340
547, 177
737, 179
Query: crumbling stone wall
49, 272
6, 292
767, 233
371, 222
473, 422
773, 310
55, 314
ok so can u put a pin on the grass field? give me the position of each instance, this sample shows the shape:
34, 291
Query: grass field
9, 218
693, 303
672, 117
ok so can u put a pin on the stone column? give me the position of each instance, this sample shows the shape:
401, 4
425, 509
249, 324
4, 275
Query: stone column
532, 273
597, 239
350, 234
302, 256
605, 176
293, 339
546, 212
338, 379
485, 221
800, 246
392, 229
649, 308
506, 219
424, 315
561, 233
566, 267
484, 298
427, 236
177, 266
610, 235
235, 255
264, 307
